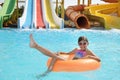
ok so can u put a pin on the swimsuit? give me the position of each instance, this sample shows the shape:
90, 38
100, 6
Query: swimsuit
79, 54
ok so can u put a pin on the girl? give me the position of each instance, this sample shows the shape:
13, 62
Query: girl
81, 52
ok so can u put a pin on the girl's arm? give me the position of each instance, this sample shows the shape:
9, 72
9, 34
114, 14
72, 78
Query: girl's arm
90, 54
94, 57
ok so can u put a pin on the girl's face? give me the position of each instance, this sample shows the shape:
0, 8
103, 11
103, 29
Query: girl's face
83, 45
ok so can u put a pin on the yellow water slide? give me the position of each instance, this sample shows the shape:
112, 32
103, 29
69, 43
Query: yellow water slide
109, 12
49, 16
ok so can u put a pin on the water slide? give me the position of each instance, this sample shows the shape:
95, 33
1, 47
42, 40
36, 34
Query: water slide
44, 16
52, 19
57, 19
7, 10
79, 19
33, 15
39, 22
107, 12
26, 21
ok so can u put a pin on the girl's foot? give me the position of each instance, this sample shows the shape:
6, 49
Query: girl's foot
32, 42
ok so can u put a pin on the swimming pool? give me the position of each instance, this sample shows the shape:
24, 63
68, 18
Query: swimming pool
19, 62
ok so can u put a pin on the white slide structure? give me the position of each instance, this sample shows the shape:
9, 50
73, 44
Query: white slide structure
22, 19
57, 19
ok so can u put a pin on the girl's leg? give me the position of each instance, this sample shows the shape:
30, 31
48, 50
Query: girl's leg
52, 64
49, 68
45, 51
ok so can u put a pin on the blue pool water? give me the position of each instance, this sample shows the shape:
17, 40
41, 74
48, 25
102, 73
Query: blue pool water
19, 62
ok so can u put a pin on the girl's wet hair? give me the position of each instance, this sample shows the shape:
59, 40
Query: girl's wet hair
82, 38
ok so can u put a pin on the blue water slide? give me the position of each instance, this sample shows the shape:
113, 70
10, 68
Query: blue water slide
26, 21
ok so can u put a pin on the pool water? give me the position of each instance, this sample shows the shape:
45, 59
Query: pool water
20, 62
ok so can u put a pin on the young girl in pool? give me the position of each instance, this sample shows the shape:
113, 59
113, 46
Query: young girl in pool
81, 52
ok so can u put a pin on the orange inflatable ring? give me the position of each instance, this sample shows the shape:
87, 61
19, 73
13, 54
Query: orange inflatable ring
77, 65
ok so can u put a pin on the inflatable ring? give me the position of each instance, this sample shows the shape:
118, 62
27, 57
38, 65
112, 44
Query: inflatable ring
78, 65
